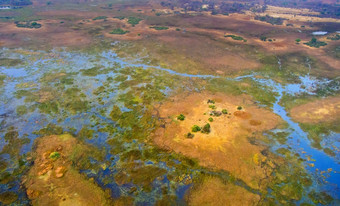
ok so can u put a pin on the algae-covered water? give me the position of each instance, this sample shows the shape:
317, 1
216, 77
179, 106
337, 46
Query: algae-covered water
111, 103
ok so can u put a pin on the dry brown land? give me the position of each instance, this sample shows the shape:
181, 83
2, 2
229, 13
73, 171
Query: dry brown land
227, 146
211, 190
54, 181
324, 110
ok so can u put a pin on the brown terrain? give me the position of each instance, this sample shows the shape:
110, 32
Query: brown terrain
227, 146
324, 110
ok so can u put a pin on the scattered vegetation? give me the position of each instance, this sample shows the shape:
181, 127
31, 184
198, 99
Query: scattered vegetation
334, 38
54, 155
119, 31
210, 101
224, 111
190, 135
206, 129
30, 25
196, 128
134, 20
99, 18
269, 19
181, 117
238, 38
315, 43
210, 119
119, 17
159, 27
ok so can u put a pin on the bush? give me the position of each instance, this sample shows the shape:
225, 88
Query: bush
195, 128
297, 40
190, 135
206, 128
119, 31
210, 119
54, 155
212, 106
210, 101
159, 27
239, 108
224, 111
99, 18
181, 117
134, 20
315, 43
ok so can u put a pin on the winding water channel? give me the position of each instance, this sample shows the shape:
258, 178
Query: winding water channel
36, 66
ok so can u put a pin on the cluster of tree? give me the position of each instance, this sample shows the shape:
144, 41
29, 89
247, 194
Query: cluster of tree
315, 43
30, 25
269, 19
215, 7
15, 2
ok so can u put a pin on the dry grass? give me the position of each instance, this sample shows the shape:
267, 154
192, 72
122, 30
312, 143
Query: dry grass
227, 146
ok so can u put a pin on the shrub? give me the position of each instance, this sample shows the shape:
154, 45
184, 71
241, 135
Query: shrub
190, 135
210, 119
210, 101
159, 27
134, 20
212, 106
315, 43
239, 108
206, 128
224, 111
215, 113
297, 40
178, 29
263, 38
195, 128
119, 31
181, 117
99, 18
54, 155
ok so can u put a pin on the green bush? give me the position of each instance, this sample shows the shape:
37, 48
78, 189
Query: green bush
315, 43
134, 20
159, 27
239, 108
210, 101
206, 128
119, 31
224, 111
210, 119
54, 155
181, 117
212, 106
190, 135
99, 18
195, 128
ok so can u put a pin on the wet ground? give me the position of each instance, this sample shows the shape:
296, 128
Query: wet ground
111, 103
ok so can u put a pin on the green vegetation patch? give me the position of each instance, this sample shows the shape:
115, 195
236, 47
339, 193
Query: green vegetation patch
269, 19
196, 128
7, 62
54, 155
119, 31
181, 117
99, 18
315, 43
206, 129
238, 38
134, 20
30, 25
159, 27
334, 38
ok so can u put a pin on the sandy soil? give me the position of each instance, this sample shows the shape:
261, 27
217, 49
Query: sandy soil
324, 110
227, 146
211, 190
54, 181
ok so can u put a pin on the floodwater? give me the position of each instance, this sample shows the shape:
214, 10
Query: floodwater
40, 71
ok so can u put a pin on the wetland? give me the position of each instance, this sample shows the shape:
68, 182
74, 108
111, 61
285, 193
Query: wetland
159, 103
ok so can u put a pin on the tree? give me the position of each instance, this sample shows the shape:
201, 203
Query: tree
297, 40
196, 128
206, 128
